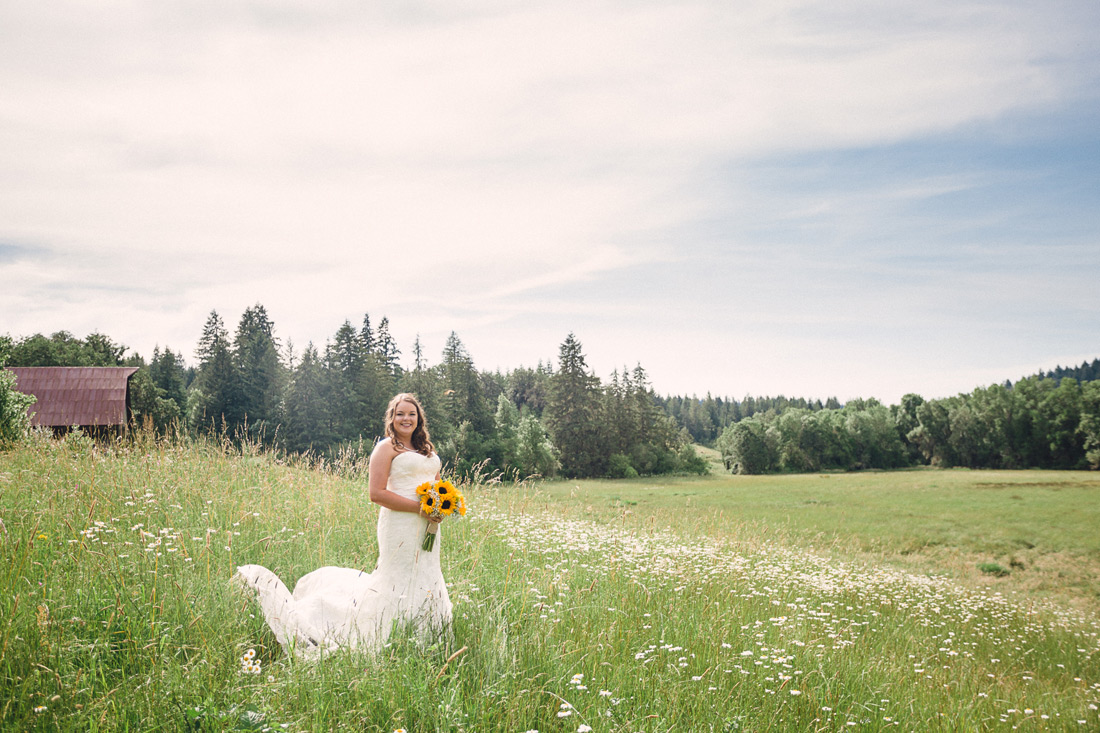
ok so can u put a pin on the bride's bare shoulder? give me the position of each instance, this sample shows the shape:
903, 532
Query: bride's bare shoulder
384, 448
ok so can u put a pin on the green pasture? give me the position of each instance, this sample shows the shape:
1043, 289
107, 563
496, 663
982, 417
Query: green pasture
1043, 527
718, 603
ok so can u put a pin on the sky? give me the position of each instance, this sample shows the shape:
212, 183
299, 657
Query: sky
849, 199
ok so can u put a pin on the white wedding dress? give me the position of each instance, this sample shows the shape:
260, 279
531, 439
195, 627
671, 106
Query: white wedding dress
335, 607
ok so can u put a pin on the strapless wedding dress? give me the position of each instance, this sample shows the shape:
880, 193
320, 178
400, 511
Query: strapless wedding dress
333, 607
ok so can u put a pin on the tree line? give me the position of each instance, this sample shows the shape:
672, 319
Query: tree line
1087, 372
547, 420
561, 418
706, 418
1038, 422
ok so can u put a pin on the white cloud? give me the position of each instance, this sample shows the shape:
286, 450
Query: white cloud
485, 168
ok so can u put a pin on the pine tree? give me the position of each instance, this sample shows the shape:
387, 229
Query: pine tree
424, 381
419, 381
366, 335
349, 352
308, 422
463, 397
572, 413
256, 356
168, 373
214, 336
386, 349
217, 399
527, 388
345, 362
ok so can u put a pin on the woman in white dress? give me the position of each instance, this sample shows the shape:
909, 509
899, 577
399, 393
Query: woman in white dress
336, 607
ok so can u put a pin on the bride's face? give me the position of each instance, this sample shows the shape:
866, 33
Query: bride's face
405, 419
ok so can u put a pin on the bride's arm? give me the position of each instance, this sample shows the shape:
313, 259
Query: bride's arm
379, 478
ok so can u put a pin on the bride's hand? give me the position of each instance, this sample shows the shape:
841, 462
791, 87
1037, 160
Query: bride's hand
430, 518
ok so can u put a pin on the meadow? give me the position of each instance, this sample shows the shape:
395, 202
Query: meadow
1040, 527
720, 603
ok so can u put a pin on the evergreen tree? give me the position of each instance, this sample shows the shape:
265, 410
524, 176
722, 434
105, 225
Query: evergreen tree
652, 425
261, 374
386, 349
657, 442
710, 417
214, 337
618, 419
308, 420
1087, 372
376, 380
289, 357
572, 413
492, 386
464, 408
418, 381
373, 391
216, 399
463, 396
366, 335
528, 388
349, 353
424, 381
345, 362
167, 371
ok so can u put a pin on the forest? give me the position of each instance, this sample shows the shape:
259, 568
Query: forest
539, 421
562, 419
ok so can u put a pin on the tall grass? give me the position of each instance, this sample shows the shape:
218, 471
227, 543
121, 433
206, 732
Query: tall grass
119, 615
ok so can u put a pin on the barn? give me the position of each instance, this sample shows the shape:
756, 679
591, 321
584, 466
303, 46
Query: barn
96, 399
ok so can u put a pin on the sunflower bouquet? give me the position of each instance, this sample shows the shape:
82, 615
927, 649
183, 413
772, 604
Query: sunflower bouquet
440, 499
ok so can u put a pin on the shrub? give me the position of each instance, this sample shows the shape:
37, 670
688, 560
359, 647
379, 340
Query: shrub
692, 462
618, 466
14, 420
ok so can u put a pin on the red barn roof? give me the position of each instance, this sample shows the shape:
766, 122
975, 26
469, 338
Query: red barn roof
75, 395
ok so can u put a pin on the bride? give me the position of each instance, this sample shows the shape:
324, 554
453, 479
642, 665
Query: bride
344, 607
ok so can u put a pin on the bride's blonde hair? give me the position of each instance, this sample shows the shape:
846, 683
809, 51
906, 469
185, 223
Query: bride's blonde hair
421, 440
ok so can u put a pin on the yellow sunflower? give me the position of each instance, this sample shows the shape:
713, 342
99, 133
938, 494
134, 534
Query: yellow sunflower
460, 505
423, 489
427, 503
445, 488
446, 505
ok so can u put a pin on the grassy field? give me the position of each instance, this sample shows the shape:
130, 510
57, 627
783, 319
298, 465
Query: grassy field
718, 603
1042, 527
